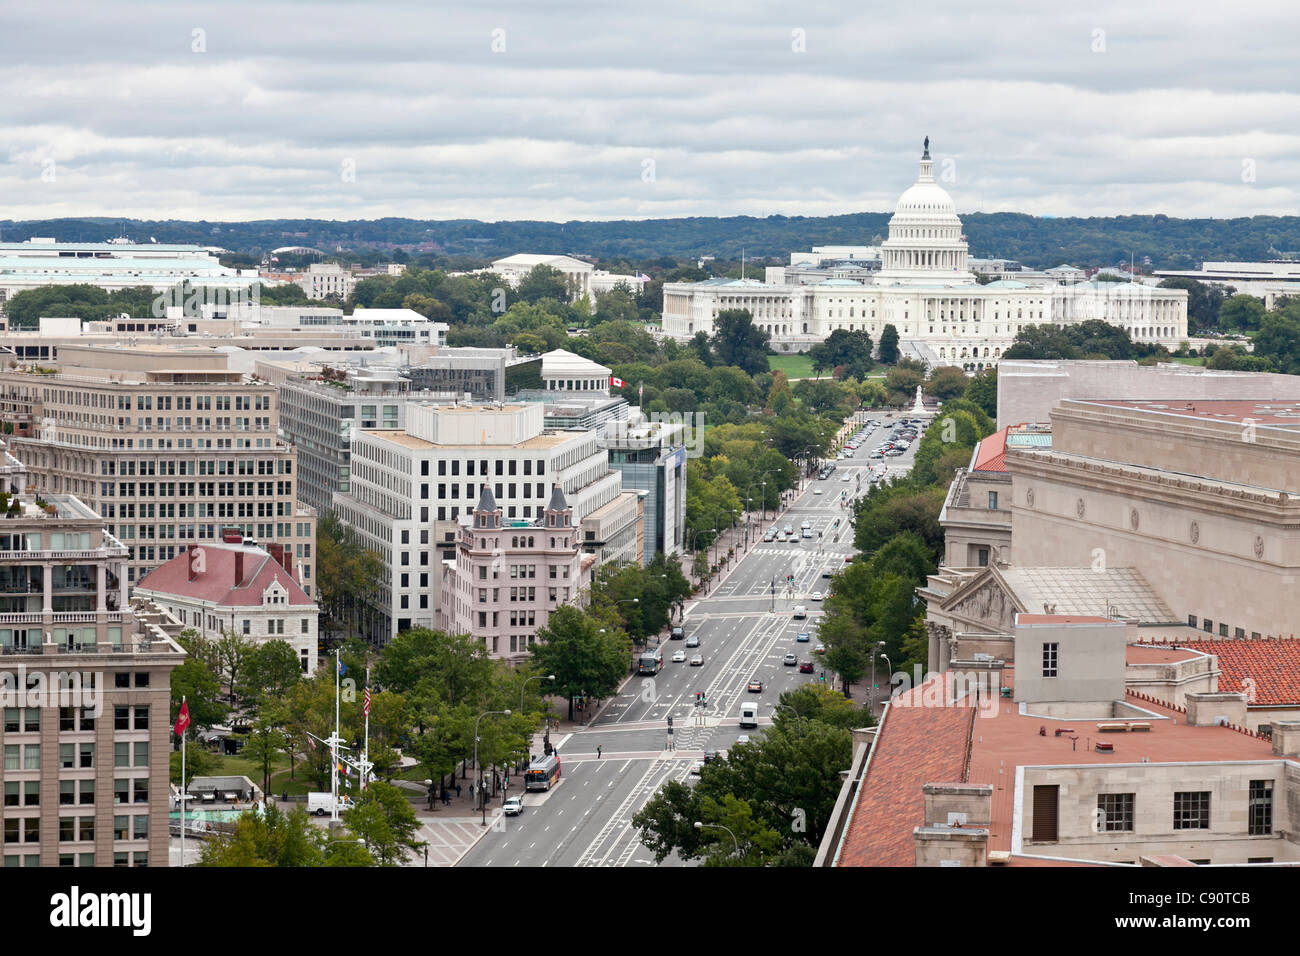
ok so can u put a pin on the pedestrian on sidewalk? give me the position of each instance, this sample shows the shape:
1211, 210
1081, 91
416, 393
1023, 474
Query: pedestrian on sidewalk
598, 753
471, 790
458, 788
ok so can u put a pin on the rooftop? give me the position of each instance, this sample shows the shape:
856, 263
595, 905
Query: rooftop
407, 440
1112, 593
1267, 670
230, 575
922, 740
1273, 412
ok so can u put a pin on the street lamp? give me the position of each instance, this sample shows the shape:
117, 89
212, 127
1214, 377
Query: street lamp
874, 652
889, 667
719, 826
477, 771
797, 715
525, 687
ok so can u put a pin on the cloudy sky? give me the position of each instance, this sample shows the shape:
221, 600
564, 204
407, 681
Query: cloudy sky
567, 110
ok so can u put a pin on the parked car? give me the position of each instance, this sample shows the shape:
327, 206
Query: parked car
513, 806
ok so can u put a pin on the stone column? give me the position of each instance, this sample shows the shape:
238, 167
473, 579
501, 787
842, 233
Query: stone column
101, 586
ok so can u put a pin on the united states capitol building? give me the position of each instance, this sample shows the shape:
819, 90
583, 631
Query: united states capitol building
922, 282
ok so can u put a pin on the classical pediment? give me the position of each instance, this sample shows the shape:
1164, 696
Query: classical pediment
985, 603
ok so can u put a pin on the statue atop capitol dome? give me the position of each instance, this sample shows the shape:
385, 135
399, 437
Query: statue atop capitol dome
926, 154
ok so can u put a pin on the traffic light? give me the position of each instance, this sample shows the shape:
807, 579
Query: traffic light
704, 700
670, 720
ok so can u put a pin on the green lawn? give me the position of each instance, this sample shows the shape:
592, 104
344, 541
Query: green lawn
794, 366
1188, 361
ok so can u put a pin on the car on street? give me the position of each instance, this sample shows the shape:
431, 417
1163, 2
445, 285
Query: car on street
770, 536
710, 756
696, 767
847, 478
742, 739
826, 573
800, 612
513, 806
755, 686
693, 641
817, 491
805, 526
876, 454
697, 660
679, 656
788, 529
819, 649
803, 637
817, 595
789, 660
848, 558
806, 533
677, 633
806, 667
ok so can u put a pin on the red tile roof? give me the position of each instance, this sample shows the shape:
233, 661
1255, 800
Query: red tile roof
991, 453
915, 746
217, 583
933, 743
1267, 670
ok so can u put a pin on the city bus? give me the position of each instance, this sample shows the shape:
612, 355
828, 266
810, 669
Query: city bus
543, 773
652, 658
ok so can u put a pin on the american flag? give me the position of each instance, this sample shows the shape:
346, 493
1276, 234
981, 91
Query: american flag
365, 708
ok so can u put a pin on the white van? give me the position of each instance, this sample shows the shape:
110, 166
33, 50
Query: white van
322, 802
749, 714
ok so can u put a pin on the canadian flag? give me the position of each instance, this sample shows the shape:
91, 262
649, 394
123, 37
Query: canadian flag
616, 382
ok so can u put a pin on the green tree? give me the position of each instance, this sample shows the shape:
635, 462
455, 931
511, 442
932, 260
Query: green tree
983, 391
583, 660
347, 574
385, 822
543, 282
262, 745
1243, 313
197, 681
737, 341
889, 344
234, 652
270, 670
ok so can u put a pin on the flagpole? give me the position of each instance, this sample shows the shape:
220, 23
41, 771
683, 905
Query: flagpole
334, 746
365, 753
183, 787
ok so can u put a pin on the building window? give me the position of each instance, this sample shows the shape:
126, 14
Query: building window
1192, 810
1261, 807
1191, 620
983, 557
1207, 626
1049, 659
1115, 812
993, 501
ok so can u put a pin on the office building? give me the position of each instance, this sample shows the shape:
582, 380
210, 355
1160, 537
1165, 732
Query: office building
167, 446
86, 691
411, 486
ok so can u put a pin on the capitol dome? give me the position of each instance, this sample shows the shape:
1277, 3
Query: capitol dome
925, 241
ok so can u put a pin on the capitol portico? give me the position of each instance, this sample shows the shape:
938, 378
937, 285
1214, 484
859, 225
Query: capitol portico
926, 290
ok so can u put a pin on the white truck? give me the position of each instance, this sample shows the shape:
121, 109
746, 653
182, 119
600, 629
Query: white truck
322, 802
749, 714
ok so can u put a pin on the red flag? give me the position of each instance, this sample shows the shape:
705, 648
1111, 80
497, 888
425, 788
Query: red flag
616, 382
183, 720
365, 709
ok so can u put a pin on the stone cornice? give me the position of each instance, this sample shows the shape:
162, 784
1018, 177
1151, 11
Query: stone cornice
1135, 481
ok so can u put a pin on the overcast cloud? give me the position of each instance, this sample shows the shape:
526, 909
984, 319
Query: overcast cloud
645, 109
